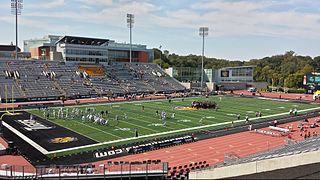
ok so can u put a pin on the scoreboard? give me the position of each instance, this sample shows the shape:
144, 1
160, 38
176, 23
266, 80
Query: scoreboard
311, 79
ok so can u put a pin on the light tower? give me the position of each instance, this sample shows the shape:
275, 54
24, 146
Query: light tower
16, 6
203, 31
130, 21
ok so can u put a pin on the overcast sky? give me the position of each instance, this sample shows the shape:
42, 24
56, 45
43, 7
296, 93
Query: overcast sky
238, 29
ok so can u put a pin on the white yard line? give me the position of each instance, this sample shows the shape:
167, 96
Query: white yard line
170, 132
124, 121
98, 129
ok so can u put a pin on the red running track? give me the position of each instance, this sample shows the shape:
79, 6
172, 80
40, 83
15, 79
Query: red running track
291, 96
213, 150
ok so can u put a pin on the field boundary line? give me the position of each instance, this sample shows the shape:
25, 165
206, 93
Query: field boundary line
24, 137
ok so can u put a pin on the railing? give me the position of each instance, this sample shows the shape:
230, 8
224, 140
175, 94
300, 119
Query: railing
111, 169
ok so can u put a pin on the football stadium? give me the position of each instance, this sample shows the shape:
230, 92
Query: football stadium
78, 107
116, 120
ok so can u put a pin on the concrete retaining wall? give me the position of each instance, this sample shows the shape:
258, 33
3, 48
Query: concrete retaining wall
258, 166
186, 85
258, 85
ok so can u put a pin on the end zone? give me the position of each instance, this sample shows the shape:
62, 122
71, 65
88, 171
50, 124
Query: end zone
41, 134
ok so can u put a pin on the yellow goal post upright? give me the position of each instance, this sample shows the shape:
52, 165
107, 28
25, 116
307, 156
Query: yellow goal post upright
7, 112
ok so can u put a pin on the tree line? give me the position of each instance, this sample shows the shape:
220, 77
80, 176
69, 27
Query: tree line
285, 70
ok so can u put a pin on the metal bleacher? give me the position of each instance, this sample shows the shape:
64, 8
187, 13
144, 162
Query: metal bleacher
143, 78
69, 82
307, 145
40, 80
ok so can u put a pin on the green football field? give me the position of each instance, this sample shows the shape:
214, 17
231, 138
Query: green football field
141, 116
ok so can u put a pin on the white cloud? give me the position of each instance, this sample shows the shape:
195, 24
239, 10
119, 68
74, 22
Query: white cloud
234, 18
97, 2
45, 5
235, 6
224, 17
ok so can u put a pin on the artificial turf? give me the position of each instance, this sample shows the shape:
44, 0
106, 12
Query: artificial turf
142, 117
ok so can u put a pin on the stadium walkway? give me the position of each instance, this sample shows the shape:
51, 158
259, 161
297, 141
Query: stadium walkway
11, 159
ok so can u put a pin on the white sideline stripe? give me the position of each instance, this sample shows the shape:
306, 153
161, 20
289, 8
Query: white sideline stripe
28, 140
170, 132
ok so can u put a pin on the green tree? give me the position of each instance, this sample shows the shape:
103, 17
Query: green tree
294, 80
306, 69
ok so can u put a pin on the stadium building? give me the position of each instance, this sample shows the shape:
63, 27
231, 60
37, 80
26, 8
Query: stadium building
9, 51
73, 49
227, 78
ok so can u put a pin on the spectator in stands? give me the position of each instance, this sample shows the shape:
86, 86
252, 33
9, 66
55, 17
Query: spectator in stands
250, 127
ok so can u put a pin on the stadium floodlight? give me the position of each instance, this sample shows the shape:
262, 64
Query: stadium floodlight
160, 55
130, 21
203, 31
16, 6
